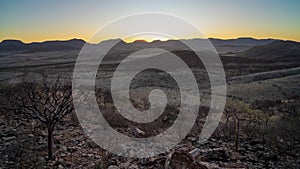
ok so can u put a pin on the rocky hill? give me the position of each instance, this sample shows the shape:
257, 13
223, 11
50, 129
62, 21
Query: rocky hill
274, 50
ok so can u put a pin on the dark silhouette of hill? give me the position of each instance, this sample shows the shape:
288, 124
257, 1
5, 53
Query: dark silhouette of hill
12, 45
73, 44
241, 42
274, 50
216, 42
17, 45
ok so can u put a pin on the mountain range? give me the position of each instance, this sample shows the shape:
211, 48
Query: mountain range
249, 47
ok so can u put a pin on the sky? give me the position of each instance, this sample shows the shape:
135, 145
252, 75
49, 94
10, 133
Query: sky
34, 21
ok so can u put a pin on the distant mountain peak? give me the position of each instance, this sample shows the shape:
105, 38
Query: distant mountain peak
61, 41
76, 40
246, 38
140, 41
119, 40
12, 42
156, 41
12, 45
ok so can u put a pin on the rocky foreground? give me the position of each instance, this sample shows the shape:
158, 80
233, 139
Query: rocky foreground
23, 145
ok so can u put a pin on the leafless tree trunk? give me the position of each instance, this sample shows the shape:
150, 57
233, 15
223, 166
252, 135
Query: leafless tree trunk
237, 129
50, 144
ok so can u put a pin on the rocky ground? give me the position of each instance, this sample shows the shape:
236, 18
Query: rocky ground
23, 145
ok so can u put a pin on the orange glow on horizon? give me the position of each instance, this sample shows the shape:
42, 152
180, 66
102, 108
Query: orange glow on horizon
29, 39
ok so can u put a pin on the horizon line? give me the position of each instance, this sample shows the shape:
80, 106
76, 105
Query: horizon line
210, 38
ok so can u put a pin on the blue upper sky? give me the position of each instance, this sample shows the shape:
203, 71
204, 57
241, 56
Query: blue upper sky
31, 20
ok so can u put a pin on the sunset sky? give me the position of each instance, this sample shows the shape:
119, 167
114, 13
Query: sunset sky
31, 20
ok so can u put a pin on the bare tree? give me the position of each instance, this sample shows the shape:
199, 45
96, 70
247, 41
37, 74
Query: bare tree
237, 111
48, 102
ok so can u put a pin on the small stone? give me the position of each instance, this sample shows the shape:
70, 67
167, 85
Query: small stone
9, 162
30, 135
71, 149
136, 131
113, 167
64, 148
44, 133
192, 139
91, 144
7, 139
139, 131
51, 163
195, 153
41, 159
61, 166
39, 147
8, 133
